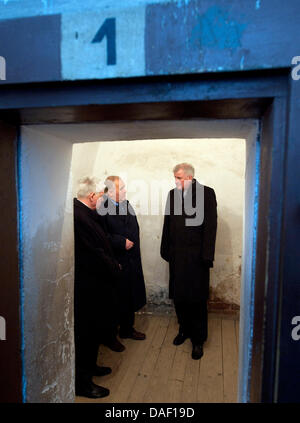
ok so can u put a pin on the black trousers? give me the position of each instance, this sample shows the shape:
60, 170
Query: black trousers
86, 352
90, 329
126, 307
192, 319
126, 321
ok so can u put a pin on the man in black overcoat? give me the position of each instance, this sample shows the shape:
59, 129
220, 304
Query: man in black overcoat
123, 231
188, 244
95, 295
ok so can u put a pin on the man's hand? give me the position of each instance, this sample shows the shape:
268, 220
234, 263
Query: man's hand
129, 244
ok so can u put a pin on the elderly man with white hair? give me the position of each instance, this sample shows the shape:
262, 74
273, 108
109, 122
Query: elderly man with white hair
95, 298
188, 244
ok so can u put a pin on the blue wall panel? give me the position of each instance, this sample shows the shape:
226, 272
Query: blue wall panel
211, 36
31, 48
175, 37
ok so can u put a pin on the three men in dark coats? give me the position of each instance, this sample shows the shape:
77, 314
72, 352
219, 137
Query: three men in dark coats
95, 289
188, 244
123, 231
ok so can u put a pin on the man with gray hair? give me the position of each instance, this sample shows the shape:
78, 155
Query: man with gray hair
188, 244
123, 230
95, 297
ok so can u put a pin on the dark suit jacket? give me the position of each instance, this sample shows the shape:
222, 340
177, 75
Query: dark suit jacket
96, 271
189, 249
120, 222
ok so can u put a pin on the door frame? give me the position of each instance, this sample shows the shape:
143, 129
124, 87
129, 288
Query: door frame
270, 96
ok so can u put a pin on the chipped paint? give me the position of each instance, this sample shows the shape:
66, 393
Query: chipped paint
47, 269
49, 387
216, 30
182, 3
242, 63
167, 37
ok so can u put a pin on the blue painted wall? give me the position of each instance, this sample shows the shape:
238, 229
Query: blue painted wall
57, 40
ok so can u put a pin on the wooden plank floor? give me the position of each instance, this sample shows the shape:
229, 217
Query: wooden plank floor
154, 370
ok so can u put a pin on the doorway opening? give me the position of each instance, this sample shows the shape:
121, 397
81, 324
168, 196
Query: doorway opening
53, 156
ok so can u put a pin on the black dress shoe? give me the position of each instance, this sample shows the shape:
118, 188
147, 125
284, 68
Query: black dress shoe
115, 345
91, 390
180, 338
102, 371
134, 334
197, 352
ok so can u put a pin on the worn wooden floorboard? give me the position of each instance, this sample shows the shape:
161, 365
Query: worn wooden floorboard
155, 370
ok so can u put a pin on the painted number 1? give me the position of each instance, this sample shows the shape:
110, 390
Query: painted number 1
108, 30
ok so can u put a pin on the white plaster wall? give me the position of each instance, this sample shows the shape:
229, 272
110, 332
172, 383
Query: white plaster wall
47, 249
144, 165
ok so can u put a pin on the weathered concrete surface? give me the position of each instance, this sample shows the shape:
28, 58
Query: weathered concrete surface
57, 40
47, 245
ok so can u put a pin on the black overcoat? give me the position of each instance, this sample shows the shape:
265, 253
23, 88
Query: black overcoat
189, 249
121, 223
96, 273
